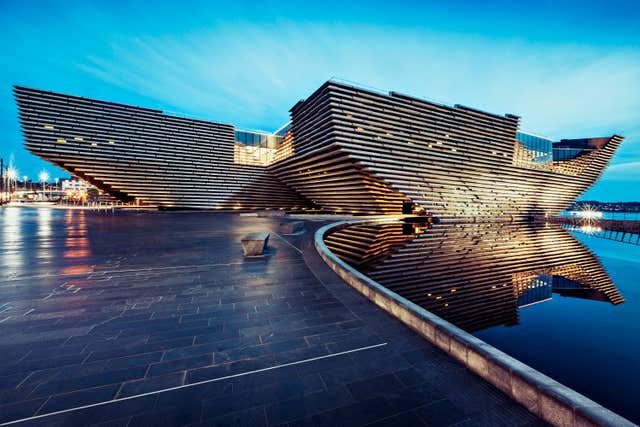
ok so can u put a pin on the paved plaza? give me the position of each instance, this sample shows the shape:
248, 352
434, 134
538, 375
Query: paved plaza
156, 318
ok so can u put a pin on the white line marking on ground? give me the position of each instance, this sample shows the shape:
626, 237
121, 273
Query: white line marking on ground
299, 362
288, 243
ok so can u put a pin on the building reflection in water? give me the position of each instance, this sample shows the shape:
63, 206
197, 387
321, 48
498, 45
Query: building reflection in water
76, 243
12, 241
475, 275
44, 244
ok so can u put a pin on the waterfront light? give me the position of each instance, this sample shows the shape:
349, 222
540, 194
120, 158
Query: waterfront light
589, 214
12, 173
43, 176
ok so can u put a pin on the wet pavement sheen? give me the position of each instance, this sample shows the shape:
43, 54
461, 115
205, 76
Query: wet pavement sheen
156, 318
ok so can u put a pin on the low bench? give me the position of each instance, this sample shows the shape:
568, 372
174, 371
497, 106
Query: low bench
291, 227
254, 244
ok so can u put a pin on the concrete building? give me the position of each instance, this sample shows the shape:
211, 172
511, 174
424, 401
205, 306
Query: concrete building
346, 149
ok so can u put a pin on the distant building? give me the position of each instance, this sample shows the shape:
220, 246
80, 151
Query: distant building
74, 184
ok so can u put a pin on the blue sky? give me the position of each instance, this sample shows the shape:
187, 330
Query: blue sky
569, 69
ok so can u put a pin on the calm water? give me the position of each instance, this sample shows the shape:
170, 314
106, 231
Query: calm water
587, 345
567, 305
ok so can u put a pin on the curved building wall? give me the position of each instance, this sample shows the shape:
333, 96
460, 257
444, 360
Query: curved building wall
363, 151
140, 153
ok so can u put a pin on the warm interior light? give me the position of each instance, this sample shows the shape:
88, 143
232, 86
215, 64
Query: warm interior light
48, 127
61, 140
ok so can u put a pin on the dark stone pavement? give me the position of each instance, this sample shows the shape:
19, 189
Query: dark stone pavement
159, 314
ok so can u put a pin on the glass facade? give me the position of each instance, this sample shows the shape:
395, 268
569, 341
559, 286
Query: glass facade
538, 150
284, 129
253, 139
565, 153
261, 149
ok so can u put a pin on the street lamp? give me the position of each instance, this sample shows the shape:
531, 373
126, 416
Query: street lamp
12, 174
44, 177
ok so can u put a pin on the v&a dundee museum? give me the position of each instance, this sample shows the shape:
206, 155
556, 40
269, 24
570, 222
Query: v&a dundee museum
345, 149
382, 240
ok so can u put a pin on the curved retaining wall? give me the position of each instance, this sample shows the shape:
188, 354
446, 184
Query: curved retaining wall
548, 399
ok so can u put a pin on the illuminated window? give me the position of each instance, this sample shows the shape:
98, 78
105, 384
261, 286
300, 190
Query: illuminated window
260, 149
111, 141
94, 144
48, 127
61, 140
78, 138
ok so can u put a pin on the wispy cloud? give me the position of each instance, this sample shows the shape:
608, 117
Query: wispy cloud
244, 71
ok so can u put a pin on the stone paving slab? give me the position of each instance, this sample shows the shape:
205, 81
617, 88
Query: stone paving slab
156, 318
